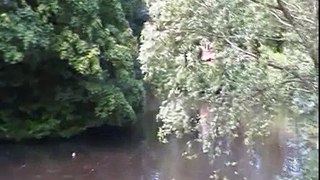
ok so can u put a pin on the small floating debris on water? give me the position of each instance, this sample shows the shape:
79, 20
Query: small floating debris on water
155, 175
52, 171
73, 155
67, 176
38, 176
231, 163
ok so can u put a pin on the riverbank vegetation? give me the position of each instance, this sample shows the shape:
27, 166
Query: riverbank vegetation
66, 66
265, 74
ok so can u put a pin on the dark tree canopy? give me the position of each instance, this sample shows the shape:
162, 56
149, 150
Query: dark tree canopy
65, 66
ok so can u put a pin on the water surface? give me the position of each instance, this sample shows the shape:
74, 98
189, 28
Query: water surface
122, 159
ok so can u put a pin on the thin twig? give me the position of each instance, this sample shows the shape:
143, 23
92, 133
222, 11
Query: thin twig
295, 74
265, 4
259, 91
241, 50
280, 20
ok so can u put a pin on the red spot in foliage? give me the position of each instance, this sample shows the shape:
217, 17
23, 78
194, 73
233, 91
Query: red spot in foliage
207, 55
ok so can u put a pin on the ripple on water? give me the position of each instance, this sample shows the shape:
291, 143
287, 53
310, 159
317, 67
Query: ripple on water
293, 164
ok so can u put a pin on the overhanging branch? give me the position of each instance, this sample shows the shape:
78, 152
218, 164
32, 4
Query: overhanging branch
265, 4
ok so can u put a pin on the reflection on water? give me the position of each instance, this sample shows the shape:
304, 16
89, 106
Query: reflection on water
92, 161
122, 160
119, 158
294, 160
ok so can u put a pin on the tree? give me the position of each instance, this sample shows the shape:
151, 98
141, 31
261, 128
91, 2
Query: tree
266, 62
65, 66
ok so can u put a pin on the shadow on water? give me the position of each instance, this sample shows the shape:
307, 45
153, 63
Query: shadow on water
107, 156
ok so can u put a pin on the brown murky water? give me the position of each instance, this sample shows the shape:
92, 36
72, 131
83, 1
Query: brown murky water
121, 159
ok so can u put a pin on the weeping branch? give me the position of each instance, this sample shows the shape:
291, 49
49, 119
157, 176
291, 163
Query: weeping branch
294, 73
291, 21
275, 66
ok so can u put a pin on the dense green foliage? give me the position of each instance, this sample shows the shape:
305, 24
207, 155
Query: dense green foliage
65, 66
266, 67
